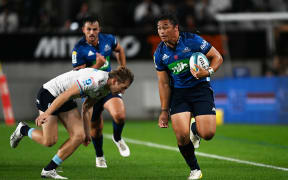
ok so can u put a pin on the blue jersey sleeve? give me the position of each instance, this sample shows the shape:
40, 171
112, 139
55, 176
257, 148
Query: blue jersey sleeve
77, 57
158, 61
108, 39
202, 44
114, 42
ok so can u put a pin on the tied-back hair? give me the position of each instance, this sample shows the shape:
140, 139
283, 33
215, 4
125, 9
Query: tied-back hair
122, 74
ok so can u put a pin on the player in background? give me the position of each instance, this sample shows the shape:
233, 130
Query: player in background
85, 54
183, 95
55, 103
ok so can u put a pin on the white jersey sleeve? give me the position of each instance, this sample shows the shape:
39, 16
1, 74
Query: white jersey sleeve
91, 82
93, 85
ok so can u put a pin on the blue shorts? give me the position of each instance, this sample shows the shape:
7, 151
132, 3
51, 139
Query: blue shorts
198, 100
45, 99
99, 106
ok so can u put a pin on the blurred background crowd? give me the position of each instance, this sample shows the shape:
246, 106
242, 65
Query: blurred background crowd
137, 17
55, 15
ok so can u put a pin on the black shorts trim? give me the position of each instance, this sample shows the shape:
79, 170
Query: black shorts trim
45, 98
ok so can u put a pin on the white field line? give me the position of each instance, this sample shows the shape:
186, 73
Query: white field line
159, 146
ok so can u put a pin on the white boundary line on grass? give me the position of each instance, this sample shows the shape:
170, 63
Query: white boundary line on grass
159, 146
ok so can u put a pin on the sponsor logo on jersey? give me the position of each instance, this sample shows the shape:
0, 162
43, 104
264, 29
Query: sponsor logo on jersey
106, 64
74, 57
204, 44
165, 56
107, 48
176, 57
214, 109
179, 66
88, 81
90, 53
186, 49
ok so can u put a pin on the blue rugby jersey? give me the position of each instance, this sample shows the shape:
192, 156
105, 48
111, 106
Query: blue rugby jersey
176, 61
84, 53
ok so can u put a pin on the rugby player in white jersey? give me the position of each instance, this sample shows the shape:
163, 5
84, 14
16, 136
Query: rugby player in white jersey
55, 103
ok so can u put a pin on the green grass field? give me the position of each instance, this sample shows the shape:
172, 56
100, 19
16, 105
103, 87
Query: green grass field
262, 149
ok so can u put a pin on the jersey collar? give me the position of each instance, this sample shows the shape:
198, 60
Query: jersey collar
175, 44
91, 44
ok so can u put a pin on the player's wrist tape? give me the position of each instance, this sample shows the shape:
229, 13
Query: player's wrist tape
211, 71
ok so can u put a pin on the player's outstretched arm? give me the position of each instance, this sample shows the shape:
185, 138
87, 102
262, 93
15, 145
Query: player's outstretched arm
86, 113
120, 55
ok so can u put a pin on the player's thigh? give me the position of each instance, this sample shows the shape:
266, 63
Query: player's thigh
50, 128
181, 126
73, 122
115, 106
204, 112
205, 116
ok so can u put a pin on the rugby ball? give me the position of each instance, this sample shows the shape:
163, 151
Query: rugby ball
199, 59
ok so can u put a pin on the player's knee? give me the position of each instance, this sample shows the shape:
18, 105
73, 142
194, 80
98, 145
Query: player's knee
78, 137
50, 142
119, 117
208, 135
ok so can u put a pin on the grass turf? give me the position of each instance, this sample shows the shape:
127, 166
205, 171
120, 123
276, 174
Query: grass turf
266, 144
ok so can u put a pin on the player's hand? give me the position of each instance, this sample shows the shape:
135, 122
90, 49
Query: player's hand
163, 119
201, 73
87, 140
100, 60
41, 119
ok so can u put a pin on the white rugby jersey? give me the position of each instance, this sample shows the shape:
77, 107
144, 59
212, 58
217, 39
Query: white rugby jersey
90, 81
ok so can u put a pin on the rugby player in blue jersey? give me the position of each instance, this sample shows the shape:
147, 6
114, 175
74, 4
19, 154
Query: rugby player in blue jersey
185, 93
86, 53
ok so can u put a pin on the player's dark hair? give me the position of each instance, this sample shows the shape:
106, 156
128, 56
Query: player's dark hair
90, 19
168, 16
122, 74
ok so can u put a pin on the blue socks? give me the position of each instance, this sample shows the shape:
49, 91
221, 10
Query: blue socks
54, 163
193, 128
117, 131
98, 145
188, 152
98, 142
30, 132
